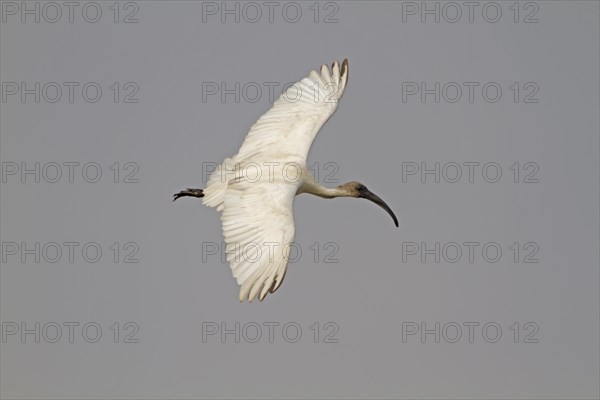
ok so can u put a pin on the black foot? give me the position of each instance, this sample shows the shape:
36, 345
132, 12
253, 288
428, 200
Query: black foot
189, 192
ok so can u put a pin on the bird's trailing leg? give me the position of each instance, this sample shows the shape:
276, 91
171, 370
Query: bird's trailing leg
189, 192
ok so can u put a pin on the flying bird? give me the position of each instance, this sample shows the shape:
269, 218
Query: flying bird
255, 189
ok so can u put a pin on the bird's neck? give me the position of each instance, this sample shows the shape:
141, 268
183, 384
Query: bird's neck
309, 185
327, 193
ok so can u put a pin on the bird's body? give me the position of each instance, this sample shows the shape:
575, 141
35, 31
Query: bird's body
255, 189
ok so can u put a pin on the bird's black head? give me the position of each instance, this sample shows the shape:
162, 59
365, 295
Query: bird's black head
358, 190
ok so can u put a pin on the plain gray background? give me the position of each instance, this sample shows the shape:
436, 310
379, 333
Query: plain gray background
370, 292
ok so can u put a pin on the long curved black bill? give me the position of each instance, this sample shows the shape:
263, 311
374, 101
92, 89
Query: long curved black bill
377, 200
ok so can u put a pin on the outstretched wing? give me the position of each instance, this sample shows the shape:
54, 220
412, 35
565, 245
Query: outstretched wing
285, 133
257, 215
287, 130
258, 227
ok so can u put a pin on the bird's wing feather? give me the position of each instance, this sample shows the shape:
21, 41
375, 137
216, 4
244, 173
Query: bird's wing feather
257, 216
258, 227
287, 130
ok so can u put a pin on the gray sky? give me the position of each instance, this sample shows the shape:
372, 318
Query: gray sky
503, 270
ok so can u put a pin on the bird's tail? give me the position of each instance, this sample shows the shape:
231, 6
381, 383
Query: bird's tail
214, 194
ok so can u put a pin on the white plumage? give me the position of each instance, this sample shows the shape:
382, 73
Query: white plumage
255, 189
